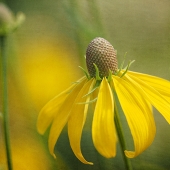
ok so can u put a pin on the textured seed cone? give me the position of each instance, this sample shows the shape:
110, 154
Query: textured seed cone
101, 53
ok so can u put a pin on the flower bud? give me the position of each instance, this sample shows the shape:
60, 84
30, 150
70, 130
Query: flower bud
8, 22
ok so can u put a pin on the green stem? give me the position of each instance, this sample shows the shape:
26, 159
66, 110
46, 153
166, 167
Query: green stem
5, 100
121, 139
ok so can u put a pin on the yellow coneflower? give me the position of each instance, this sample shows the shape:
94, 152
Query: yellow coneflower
136, 92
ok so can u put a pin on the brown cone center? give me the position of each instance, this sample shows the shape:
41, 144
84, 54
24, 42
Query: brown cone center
101, 53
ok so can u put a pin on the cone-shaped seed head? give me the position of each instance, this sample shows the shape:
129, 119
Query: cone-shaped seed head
101, 53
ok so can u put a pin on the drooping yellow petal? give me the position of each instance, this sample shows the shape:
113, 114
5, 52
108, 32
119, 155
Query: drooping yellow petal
47, 113
154, 97
62, 115
138, 113
159, 84
77, 120
103, 128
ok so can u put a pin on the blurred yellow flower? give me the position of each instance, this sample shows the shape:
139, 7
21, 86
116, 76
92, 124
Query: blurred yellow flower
137, 93
39, 67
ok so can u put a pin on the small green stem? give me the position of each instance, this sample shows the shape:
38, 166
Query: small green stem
5, 100
121, 139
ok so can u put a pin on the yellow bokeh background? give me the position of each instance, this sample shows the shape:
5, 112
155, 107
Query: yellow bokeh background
47, 69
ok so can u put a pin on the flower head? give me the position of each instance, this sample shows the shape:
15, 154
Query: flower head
136, 92
101, 53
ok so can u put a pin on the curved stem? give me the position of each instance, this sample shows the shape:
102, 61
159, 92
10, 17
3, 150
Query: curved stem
5, 100
121, 139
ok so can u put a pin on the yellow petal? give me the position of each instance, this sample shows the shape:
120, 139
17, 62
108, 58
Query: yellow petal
138, 113
159, 84
103, 129
77, 120
62, 115
47, 113
154, 97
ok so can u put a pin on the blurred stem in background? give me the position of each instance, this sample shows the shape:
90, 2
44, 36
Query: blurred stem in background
82, 29
96, 15
5, 100
8, 23
74, 15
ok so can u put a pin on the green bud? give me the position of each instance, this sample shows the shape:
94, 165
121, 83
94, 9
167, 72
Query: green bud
8, 22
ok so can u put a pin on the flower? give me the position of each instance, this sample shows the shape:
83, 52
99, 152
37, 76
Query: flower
136, 92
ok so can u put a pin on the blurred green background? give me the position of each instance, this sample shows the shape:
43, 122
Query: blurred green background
43, 59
